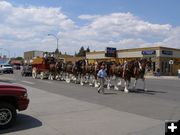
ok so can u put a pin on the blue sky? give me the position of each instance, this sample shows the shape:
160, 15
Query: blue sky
25, 24
155, 11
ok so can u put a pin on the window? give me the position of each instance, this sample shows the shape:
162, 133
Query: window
162, 66
166, 67
169, 68
154, 66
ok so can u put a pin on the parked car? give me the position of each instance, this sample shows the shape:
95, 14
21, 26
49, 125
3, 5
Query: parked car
12, 98
6, 68
26, 70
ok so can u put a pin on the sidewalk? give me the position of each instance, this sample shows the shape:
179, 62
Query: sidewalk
52, 114
163, 77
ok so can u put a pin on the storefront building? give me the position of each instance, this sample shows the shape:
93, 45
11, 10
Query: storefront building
163, 58
28, 56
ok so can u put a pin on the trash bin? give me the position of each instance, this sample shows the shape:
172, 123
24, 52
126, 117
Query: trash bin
179, 73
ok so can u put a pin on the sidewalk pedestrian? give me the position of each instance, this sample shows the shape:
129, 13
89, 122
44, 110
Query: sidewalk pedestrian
158, 72
102, 75
179, 73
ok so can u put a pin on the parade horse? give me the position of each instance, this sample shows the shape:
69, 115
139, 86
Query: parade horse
135, 69
110, 66
128, 68
140, 70
60, 70
51, 61
115, 73
91, 73
79, 70
68, 71
82, 70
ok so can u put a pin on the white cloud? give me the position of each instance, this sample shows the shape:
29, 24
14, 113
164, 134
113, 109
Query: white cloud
88, 17
25, 28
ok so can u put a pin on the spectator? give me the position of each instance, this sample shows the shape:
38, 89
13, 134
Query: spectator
102, 75
158, 72
179, 73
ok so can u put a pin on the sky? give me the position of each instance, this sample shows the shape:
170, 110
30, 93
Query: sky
25, 24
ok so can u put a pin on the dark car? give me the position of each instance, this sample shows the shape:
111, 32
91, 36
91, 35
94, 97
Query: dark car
27, 70
12, 98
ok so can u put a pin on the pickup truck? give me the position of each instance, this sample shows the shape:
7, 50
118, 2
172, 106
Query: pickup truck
6, 68
12, 98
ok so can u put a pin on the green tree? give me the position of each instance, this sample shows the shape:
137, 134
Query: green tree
57, 52
88, 50
81, 52
19, 58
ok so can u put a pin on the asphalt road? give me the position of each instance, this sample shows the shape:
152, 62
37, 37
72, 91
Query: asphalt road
161, 101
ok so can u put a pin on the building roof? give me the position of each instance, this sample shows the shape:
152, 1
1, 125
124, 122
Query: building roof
137, 49
33, 51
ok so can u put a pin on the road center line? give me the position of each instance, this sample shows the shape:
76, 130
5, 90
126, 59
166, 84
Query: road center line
28, 82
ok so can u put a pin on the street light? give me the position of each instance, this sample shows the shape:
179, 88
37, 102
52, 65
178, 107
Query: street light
56, 39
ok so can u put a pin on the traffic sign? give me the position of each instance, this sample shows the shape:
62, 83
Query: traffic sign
171, 62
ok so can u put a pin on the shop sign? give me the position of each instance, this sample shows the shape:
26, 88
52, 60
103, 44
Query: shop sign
149, 52
110, 52
166, 52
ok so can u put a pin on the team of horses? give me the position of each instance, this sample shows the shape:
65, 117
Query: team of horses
82, 72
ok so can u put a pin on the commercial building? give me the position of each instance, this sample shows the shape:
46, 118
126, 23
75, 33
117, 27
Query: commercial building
164, 58
28, 56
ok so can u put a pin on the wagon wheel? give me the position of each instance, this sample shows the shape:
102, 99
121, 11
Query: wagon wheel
34, 73
42, 75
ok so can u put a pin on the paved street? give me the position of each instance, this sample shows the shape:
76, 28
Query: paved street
58, 108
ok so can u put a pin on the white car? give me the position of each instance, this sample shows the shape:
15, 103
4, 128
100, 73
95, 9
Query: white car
6, 68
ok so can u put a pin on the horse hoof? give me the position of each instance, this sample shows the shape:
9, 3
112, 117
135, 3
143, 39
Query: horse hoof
68, 81
96, 86
108, 88
126, 91
82, 84
116, 88
90, 84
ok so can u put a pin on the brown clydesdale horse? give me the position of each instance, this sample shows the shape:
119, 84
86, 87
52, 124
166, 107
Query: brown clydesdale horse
137, 70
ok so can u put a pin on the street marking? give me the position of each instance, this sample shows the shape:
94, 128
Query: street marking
28, 82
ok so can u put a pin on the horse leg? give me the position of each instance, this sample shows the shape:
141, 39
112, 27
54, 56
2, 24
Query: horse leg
81, 80
120, 82
126, 86
50, 76
96, 83
115, 85
135, 83
144, 84
108, 83
63, 76
90, 80
67, 78
86, 78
